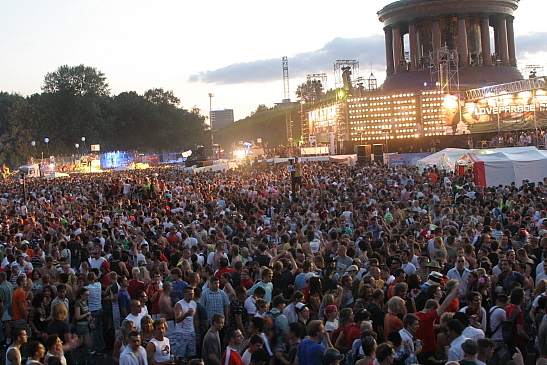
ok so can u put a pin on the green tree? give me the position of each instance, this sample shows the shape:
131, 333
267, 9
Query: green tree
160, 96
15, 134
310, 91
76, 80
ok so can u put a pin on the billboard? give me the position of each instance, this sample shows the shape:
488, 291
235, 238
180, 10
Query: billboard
321, 121
517, 111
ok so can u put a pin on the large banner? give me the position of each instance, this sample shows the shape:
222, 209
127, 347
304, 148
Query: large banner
322, 121
507, 112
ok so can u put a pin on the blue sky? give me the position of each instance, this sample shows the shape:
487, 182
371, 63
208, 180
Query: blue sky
230, 48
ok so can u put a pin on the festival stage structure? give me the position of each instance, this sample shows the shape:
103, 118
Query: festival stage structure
417, 30
451, 71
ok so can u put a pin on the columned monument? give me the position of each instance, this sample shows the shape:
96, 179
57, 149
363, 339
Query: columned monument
463, 25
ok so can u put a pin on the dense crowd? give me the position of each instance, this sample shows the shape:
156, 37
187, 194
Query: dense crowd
347, 265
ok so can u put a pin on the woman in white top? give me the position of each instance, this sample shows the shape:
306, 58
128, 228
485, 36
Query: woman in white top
158, 349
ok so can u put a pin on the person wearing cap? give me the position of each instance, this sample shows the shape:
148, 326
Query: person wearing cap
303, 312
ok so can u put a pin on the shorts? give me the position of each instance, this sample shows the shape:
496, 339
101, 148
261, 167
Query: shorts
183, 344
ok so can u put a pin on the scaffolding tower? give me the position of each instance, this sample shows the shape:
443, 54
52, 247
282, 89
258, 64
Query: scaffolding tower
444, 70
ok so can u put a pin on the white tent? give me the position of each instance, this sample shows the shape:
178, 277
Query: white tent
504, 166
444, 160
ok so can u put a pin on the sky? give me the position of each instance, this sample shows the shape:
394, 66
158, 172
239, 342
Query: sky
232, 49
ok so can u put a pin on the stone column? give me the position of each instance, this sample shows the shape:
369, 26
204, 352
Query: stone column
511, 41
502, 34
389, 51
463, 49
414, 51
397, 49
485, 41
436, 35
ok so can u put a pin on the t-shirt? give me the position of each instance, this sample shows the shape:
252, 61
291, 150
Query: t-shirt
426, 331
136, 319
310, 352
19, 311
95, 294
187, 325
231, 357
392, 323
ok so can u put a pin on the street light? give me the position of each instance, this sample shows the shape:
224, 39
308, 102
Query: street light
83, 143
211, 121
46, 141
534, 99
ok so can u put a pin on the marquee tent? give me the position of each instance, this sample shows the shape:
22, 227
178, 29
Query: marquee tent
444, 160
504, 166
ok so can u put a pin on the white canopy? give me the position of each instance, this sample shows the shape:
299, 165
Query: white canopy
504, 166
444, 160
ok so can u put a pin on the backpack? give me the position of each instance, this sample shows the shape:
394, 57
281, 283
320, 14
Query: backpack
509, 327
489, 331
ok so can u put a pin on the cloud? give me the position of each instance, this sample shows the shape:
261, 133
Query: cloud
369, 50
531, 43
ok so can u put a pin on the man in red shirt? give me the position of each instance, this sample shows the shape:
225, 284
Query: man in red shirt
515, 313
427, 318
135, 285
231, 355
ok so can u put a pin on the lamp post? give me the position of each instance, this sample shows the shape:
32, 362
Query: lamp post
211, 122
33, 144
83, 144
46, 141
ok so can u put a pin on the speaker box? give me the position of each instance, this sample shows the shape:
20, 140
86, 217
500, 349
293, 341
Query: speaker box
378, 152
363, 153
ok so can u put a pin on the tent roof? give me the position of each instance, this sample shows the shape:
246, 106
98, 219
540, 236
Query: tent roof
521, 154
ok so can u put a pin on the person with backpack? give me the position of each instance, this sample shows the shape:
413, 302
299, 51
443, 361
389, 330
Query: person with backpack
280, 323
513, 327
496, 317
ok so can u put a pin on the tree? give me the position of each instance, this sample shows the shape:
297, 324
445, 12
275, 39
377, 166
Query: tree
76, 80
310, 91
15, 134
160, 96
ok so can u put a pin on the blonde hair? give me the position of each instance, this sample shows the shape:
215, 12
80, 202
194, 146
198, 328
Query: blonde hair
60, 312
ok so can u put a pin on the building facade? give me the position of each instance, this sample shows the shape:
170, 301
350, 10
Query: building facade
222, 118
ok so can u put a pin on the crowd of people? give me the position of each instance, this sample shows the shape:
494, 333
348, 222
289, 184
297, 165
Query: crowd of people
350, 265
